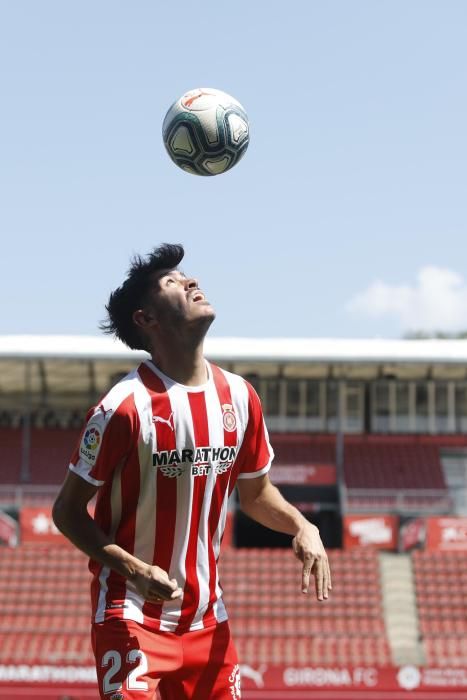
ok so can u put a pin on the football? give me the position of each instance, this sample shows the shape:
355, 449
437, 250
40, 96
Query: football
206, 132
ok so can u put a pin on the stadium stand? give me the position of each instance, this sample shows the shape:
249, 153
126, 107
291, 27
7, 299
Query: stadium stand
303, 448
44, 588
10, 440
45, 610
370, 461
441, 586
273, 621
45, 605
50, 453
50, 450
378, 470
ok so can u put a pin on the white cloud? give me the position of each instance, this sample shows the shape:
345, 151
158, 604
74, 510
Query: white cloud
437, 301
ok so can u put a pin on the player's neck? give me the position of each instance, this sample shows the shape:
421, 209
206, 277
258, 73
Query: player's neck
183, 365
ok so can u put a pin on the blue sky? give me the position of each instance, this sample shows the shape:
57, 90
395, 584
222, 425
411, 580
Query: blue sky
347, 217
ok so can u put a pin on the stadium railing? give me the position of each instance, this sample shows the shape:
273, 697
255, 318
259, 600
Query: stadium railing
19, 495
399, 501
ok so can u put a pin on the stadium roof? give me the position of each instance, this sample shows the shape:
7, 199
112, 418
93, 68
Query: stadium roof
65, 366
282, 350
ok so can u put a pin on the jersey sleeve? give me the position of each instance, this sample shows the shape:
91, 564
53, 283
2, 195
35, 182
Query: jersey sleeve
105, 442
256, 454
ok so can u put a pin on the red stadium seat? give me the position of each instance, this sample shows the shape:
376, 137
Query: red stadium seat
44, 618
442, 606
273, 623
397, 463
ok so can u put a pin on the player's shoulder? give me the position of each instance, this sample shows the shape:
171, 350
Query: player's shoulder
120, 397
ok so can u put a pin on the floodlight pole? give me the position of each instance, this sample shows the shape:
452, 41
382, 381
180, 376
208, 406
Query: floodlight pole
340, 437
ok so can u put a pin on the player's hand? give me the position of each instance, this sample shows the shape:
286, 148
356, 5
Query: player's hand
154, 585
309, 549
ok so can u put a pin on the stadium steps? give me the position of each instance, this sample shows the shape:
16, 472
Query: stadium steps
400, 609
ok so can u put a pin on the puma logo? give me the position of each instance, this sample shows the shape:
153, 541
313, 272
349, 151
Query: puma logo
168, 421
188, 101
256, 675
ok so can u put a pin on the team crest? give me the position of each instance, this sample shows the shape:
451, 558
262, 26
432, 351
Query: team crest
228, 418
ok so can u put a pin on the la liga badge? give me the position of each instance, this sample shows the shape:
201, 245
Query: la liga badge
228, 417
90, 443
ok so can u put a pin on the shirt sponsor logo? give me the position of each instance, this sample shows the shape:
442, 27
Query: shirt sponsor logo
199, 461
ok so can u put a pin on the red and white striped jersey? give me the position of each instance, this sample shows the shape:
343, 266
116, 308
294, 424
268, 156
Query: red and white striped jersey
166, 458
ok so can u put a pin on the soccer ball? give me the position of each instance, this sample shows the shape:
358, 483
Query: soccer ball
206, 132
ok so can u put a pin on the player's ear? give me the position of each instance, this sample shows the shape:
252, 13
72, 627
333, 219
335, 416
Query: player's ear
143, 319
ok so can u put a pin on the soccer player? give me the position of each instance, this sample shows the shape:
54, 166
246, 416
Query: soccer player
163, 450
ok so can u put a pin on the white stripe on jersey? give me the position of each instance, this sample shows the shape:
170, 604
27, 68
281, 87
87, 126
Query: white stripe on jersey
100, 612
237, 388
184, 438
254, 475
219, 608
240, 399
83, 473
216, 437
220, 611
260, 472
145, 524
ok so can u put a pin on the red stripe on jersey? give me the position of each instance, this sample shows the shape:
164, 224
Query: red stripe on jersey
166, 498
222, 481
129, 495
191, 594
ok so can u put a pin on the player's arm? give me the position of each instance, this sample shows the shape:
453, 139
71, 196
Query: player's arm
71, 516
263, 502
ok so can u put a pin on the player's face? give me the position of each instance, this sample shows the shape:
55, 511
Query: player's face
177, 298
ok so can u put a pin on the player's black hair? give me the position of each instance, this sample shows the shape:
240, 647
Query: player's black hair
131, 295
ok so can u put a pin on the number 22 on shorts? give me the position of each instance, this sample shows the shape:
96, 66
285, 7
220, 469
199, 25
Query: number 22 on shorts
113, 659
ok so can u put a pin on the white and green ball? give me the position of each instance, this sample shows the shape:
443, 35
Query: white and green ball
206, 132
